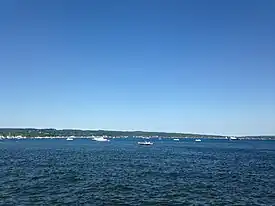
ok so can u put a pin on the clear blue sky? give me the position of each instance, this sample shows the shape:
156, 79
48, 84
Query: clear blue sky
158, 65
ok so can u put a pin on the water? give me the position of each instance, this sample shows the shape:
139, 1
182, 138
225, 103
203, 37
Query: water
120, 172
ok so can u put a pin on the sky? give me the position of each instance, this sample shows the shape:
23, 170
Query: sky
189, 66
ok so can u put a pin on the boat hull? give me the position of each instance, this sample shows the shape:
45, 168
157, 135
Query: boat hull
145, 143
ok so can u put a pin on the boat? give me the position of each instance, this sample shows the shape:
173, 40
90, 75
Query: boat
101, 139
69, 139
176, 139
197, 140
145, 143
233, 138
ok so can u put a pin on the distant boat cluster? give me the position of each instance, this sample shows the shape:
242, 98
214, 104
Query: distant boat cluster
94, 138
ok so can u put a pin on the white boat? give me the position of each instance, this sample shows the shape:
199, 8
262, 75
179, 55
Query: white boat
101, 139
197, 140
176, 139
69, 139
233, 138
145, 143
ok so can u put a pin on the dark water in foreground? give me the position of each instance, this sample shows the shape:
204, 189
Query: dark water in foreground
120, 172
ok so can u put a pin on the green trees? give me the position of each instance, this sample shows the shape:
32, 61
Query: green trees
32, 132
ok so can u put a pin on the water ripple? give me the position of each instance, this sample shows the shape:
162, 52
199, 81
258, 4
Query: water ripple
54, 172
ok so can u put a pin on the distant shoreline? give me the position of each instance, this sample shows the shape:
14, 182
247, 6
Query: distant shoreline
109, 137
26, 133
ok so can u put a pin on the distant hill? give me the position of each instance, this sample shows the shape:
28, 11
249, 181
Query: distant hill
32, 132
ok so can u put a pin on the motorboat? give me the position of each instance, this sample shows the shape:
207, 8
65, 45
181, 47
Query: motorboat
232, 138
101, 139
145, 143
69, 139
176, 139
197, 140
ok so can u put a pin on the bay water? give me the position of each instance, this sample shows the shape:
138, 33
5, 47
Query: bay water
121, 172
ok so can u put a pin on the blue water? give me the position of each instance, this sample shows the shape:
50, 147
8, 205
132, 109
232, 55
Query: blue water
120, 172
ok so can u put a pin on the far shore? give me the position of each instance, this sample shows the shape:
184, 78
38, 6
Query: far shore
139, 137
